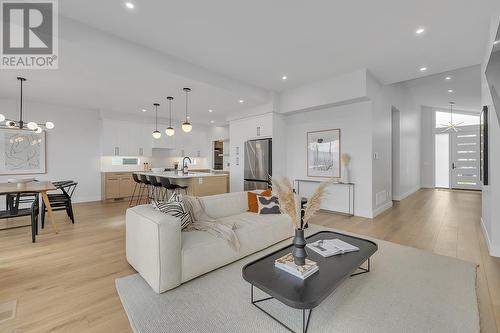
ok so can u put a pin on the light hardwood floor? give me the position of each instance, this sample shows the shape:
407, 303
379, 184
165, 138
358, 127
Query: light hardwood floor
65, 282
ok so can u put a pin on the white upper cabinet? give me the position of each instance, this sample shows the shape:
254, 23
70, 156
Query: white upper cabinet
122, 138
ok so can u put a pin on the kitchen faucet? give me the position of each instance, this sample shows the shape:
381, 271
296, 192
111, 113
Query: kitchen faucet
184, 165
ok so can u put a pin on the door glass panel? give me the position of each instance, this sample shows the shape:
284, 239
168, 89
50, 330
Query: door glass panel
442, 151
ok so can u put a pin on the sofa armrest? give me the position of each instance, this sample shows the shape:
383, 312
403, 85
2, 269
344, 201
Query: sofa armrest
153, 246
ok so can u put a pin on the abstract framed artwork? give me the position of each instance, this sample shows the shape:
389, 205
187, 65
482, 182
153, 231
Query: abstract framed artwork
323, 153
22, 152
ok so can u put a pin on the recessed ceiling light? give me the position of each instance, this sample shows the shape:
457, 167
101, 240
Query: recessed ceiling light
129, 5
450, 90
420, 31
188, 117
210, 110
447, 78
496, 42
241, 101
211, 121
423, 69
284, 77
144, 110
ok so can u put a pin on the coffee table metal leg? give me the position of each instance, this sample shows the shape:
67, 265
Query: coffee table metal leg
362, 269
305, 323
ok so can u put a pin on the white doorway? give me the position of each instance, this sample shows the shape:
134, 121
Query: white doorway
457, 153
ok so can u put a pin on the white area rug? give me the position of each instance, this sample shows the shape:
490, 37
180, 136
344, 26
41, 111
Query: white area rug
407, 290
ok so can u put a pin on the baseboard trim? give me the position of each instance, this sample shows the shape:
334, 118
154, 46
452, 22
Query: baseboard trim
407, 194
379, 210
494, 251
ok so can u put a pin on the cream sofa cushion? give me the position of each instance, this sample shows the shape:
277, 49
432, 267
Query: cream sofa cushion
222, 205
202, 252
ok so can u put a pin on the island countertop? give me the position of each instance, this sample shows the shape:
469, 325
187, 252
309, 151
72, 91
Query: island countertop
180, 175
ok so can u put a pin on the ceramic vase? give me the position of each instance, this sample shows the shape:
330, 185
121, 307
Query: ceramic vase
299, 252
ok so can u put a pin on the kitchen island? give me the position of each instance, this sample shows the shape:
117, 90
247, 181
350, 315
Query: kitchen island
199, 183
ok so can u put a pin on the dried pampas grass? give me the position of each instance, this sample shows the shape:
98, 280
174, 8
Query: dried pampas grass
287, 199
288, 205
314, 203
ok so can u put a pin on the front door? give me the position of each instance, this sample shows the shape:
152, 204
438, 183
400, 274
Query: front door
465, 160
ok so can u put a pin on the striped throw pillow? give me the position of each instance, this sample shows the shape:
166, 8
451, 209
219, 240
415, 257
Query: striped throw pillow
175, 209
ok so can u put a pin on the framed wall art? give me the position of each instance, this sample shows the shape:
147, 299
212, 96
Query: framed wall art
21, 152
323, 153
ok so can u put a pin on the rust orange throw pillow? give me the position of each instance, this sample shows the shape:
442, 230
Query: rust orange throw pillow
253, 206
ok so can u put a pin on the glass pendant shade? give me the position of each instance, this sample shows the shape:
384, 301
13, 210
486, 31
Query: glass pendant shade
187, 127
2, 117
49, 125
156, 133
170, 131
32, 125
38, 130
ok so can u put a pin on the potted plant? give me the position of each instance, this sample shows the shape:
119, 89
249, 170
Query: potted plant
300, 221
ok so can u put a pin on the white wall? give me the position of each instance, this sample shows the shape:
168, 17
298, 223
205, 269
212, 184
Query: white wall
491, 193
73, 146
427, 172
355, 122
341, 89
384, 99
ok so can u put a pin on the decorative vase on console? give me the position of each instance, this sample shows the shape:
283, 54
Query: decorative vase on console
300, 221
346, 174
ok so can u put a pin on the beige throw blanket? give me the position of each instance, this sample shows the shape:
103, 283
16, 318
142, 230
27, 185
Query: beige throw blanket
219, 230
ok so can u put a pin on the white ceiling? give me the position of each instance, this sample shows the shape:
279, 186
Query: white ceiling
433, 90
114, 59
258, 41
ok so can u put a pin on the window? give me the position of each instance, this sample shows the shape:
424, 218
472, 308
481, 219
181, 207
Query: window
124, 161
443, 118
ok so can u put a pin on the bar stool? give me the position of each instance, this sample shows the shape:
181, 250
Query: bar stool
147, 186
167, 185
156, 189
137, 183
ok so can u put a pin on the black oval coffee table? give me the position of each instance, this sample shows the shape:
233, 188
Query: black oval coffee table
309, 293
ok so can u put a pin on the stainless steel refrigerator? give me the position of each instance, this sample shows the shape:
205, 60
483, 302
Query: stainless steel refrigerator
258, 164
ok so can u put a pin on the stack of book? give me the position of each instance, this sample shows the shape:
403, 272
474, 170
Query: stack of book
331, 247
286, 263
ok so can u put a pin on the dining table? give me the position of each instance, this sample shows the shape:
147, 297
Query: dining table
41, 187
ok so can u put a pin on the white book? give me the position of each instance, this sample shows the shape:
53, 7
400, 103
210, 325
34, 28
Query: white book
331, 247
287, 264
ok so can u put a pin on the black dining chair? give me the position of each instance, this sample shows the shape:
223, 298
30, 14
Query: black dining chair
61, 200
13, 211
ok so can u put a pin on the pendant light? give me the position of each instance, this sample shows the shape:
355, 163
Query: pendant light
186, 126
21, 124
451, 126
170, 130
156, 133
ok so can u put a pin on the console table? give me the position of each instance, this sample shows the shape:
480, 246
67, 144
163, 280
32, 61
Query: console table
349, 194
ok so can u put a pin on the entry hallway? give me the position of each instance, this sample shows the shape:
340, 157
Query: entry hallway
66, 282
